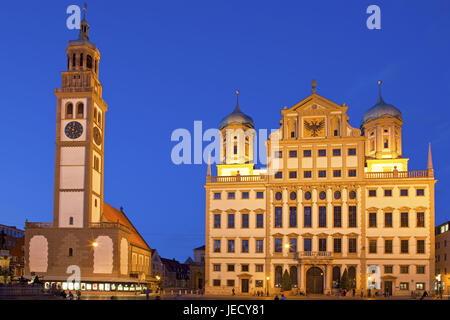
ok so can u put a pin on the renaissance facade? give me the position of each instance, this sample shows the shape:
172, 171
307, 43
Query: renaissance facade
90, 245
333, 199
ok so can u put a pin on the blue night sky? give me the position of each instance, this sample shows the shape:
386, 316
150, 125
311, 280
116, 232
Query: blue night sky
165, 64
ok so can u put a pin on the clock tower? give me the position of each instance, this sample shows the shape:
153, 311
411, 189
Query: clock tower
79, 156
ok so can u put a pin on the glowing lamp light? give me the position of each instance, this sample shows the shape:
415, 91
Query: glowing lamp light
268, 278
158, 277
95, 244
287, 246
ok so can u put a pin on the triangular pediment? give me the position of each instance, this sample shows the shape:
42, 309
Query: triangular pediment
315, 104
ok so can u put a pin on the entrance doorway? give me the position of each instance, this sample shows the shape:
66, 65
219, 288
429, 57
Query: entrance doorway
244, 285
314, 281
388, 287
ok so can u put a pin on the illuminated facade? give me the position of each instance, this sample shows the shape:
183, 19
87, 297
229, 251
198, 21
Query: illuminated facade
332, 198
87, 234
442, 272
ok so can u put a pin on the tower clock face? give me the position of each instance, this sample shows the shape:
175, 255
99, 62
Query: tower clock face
73, 130
97, 136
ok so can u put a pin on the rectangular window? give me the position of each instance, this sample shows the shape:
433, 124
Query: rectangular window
278, 217
259, 220
420, 285
293, 154
307, 244
307, 174
235, 149
278, 154
420, 219
372, 219
217, 220
216, 245
336, 152
387, 192
388, 219
231, 195
217, 267
292, 174
352, 216
352, 245
322, 217
420, 192
279, 175
322, 152
216, 282
322, 244
373, 246
404, 245
292, 217
230, 245
259, 268
352, 152
231, 220
244, 220
388, 269
260, 195
306, 153
403, 192
372, 193
292, 245
278, 244
404, 269
404, 219
352, 172
336, 173
322, 173
259, 246
244, 247
404, 286
387, 246
337, 216
259, 283
307, 217
230, 283
244, 267
420, 246
420, 269
337, 245
245, 195
217, 195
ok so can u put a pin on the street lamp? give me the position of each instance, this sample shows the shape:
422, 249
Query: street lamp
268, 278
95, 244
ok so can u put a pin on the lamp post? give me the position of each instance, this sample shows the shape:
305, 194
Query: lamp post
268, 278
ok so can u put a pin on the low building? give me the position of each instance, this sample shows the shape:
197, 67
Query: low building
18, 259
197, 269
443, 258
176, 275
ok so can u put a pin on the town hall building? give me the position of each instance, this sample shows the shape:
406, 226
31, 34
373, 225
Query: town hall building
333, 200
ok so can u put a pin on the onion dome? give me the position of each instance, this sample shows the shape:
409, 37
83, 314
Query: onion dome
381, 109
237, 117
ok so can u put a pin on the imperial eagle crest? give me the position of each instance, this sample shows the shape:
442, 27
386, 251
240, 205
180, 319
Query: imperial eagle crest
314, 126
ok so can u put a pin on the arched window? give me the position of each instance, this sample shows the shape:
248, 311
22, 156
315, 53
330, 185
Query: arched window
278, 275
293, 274
80, 110
352, 277
69, 110
336, 277
81, 60
70, 252
89, 61
73, 60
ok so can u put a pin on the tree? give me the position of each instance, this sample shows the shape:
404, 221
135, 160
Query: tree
286, 281
345, 283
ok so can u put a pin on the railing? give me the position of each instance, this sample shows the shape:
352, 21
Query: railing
108, 225
315, 254
39, 225
398, 174
239, 178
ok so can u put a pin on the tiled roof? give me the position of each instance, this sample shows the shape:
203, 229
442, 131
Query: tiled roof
111, 214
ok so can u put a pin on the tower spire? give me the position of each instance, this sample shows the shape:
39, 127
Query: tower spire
430, 161
380, 99
237, 102
84, 26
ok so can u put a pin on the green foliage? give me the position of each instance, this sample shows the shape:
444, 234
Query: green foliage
286, 281
345, 282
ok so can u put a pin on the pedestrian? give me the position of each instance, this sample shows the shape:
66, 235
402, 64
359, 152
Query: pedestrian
283, 297
147, 293
70, 295
362, 293
78, 294
276, 297
232, 292
425, 294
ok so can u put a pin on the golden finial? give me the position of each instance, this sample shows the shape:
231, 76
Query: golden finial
314, 85
237, 92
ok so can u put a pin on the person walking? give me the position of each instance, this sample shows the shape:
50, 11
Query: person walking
362, 293
147, 293
276, 297
70, 295
283, 297
232, 292
425, 294
78, 294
